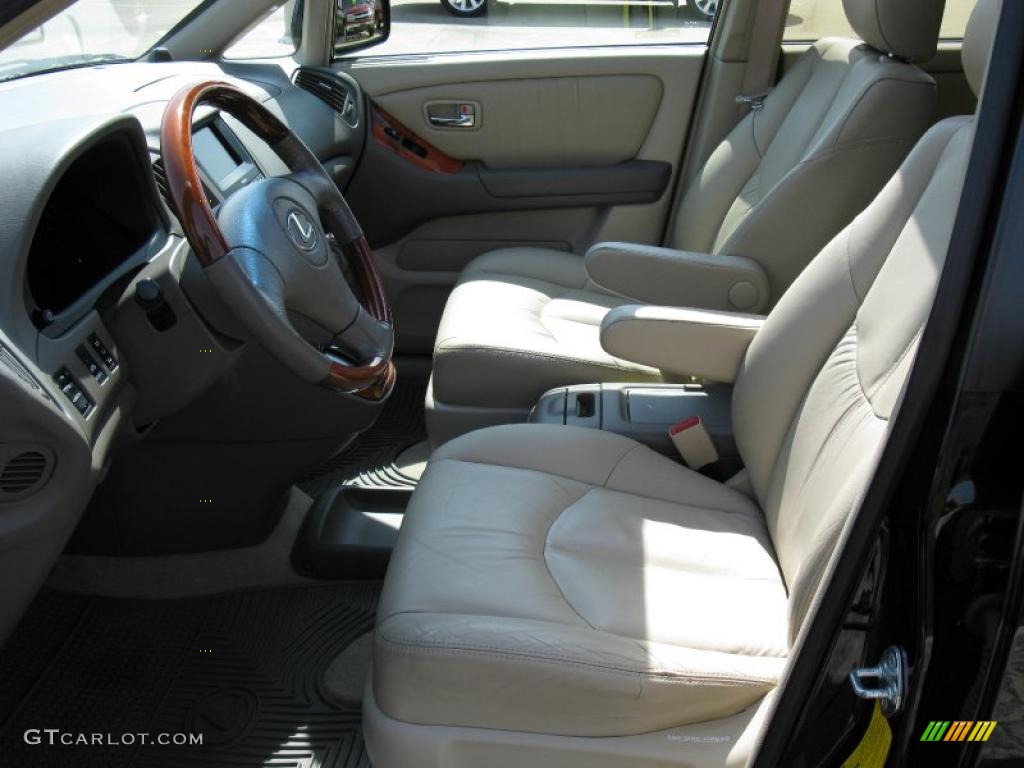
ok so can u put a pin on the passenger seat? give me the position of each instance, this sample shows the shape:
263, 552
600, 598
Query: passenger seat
790, 176
561, 596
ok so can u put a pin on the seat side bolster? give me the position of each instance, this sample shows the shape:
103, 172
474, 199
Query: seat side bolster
681, 341
651, 275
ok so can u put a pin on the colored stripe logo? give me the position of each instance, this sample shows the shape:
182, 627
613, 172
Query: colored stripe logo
959, 730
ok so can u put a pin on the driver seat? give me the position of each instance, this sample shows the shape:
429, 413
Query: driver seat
566, 597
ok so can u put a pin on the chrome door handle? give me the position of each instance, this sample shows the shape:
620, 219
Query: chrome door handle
462, 121
452, 114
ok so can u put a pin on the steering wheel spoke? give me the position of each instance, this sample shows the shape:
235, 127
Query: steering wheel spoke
269, 254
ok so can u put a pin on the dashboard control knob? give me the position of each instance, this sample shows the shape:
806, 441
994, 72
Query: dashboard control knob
150, 297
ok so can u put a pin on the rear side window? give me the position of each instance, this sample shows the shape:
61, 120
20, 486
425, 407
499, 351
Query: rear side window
811, 20
449, 26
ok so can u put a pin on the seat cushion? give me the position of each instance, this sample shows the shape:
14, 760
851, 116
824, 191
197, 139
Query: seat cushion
568, 581
519, 322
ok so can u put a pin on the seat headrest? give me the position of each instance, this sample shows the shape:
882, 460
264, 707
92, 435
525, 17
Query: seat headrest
907, 29
978, 39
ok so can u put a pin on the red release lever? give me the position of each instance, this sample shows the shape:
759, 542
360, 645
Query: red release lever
684, 425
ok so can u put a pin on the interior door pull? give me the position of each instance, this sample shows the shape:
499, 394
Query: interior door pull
462, 121
452, 114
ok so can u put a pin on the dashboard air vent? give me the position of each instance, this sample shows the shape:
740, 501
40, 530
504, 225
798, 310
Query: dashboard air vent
331, 90
161, 182
160, 176
23, 472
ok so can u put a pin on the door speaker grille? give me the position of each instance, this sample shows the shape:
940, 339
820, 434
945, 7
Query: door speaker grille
23, 472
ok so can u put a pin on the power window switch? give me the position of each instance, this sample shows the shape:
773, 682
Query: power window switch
91, 365
69, 387
81, 403
102, 352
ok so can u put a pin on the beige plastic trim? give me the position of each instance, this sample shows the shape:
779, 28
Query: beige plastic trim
445, 422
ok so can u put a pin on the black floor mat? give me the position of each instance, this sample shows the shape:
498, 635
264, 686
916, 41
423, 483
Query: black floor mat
242, 669
369, 462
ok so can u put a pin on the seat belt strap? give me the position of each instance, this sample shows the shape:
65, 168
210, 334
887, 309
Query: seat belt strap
693, 442
763, 55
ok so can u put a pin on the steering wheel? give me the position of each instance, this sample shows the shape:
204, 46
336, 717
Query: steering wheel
269, 255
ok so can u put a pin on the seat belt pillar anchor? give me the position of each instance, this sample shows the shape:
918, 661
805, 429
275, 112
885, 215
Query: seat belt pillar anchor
755, 101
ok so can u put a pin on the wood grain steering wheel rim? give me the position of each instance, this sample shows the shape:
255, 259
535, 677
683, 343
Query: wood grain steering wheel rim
373, 378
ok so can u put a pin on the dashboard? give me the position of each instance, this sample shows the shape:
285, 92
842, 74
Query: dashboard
85, 208
222, 158
92, 211
87, 363
98, 219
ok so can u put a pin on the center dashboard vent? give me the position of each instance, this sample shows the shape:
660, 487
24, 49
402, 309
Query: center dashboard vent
330, 88
23, 471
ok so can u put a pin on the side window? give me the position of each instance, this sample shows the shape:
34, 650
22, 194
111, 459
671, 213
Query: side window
277, 34
811, 20
445, 26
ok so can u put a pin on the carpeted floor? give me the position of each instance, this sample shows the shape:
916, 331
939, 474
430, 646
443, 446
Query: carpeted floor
245, 669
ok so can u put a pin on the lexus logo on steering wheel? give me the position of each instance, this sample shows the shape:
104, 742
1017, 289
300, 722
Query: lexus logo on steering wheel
301, 230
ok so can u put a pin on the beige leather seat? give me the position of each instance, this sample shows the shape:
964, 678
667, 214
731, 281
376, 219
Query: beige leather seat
566, 597
780, 186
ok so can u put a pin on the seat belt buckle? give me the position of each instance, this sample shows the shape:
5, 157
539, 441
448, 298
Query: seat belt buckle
693, 442
755, 101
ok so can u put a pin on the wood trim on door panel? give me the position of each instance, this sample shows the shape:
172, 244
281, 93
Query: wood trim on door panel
390, 133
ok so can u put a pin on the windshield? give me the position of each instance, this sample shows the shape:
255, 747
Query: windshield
93, 32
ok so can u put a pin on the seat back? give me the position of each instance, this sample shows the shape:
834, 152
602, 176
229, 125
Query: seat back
792, 174
822, 379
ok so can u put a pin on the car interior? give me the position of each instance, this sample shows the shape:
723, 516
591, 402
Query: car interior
462, 408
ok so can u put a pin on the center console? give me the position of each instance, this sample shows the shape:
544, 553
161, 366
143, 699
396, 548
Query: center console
645, 412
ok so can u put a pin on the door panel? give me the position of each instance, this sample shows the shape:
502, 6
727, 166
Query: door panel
554, 122
568, 147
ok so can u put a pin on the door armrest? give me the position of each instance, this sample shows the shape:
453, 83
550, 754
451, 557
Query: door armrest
681, 340
651, 275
